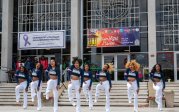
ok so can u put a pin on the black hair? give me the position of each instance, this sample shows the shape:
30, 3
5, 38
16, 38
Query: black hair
87, 65
25, 70
41, 66
154, 68
78, 60
54, 60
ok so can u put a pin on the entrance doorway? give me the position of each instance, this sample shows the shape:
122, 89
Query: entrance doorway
118, 61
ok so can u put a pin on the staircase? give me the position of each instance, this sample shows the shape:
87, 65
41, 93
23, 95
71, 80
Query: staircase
118, 96
175, 87
7, 94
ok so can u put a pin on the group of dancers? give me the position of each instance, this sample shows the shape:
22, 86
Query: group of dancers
82, 79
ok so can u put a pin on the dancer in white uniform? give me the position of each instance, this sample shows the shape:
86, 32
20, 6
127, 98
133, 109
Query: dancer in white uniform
75, 75
131, 75
158, 78
105, 84
22, 78
87, 84
36, 85
53, 83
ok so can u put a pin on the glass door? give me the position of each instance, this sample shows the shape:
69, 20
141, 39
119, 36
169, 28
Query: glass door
121, 61
109, 59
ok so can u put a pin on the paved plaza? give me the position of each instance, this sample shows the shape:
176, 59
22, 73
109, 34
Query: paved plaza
84, 109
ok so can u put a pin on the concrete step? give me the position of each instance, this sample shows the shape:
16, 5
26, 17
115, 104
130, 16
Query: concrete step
13, 91
12, 103
103, 100
118, 95
13, 100
113, 94
119, 104
111, 97
176, 104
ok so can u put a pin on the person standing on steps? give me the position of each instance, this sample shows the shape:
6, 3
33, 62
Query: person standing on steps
87, 85
22, 78
53, 83
76, 82
105, 84
36, 85
158, 78
131, 75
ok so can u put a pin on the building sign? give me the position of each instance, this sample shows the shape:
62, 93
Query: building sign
113, 37
41, 40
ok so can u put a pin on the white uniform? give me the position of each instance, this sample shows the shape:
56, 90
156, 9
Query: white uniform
104, 86
159, 94
74, 85
132, 88
34, 85
159, 90
51, 85
21, 87
88, 93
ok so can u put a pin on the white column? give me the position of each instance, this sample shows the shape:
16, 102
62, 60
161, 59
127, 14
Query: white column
7, 38
76, 28
152, 46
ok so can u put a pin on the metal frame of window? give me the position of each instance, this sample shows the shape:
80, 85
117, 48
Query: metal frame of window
99, 11
107, 13
169, 25
44, 15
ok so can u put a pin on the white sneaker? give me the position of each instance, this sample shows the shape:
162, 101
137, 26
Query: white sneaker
91, 108
73, 103
32, 100
130, 102
160, 109
135, 110
47, 98
38, 109
17, 101
87, 100
24, 108
95, 101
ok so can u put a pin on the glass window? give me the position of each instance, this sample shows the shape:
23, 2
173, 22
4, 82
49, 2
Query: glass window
43, 15
166, 59
0, 15
115, 14
167, 15
140, 58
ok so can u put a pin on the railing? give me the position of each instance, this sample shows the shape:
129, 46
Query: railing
10, 73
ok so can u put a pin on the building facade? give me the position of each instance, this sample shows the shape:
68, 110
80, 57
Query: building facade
157, 21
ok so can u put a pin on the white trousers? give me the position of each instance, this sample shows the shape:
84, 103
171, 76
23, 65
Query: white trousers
21, 87
104, 86
159, 94
34, 85
87, 92
132, 90
75, 84
51, 85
